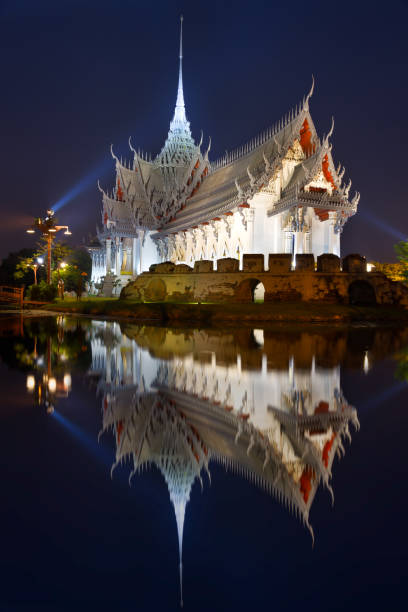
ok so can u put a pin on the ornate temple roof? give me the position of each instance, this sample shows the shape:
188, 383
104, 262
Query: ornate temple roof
179, 188
179, 148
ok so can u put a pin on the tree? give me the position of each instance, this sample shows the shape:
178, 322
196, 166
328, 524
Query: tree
9, 266
77, 270
17, 267
393, 271
60, 251
401, 250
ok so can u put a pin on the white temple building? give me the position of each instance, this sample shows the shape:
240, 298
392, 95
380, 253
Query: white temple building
278, 193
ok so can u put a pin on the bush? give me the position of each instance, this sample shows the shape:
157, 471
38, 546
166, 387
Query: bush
42, 292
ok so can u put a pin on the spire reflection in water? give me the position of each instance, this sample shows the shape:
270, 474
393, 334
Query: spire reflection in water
179, 401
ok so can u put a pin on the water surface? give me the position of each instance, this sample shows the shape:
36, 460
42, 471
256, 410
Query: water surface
235, 469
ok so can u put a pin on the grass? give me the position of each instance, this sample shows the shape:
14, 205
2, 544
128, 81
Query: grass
229, 312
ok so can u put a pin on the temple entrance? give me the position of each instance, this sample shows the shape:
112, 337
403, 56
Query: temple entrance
361, 293
250, 290
258, 294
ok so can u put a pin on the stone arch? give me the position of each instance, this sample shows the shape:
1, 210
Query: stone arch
361, 293
250, 290
259, 293
156, 290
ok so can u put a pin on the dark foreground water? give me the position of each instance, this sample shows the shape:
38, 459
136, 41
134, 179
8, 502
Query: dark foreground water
235, 443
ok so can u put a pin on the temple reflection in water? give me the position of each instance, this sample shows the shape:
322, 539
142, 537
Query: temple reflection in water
258, 404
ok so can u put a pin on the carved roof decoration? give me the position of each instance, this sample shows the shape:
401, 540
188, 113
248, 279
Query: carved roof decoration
180, 188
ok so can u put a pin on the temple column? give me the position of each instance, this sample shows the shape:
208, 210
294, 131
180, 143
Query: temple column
288, 242
134, 258
118, 256
108, 255
308, 242
334, 242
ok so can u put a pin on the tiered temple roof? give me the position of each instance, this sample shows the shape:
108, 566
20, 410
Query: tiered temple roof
180, 188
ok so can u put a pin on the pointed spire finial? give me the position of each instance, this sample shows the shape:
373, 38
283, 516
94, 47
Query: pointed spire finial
180, 95
181, 37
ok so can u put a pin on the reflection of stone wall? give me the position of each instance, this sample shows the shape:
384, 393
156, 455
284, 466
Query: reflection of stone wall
166, 282
325, 348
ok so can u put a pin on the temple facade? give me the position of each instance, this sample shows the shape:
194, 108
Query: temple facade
278, 193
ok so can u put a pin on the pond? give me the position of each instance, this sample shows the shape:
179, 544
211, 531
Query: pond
145, 467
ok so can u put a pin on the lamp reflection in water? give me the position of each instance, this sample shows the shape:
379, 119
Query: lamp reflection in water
182, 401
45, 386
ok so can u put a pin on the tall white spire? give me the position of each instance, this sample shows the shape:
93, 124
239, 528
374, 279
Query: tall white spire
179, 147
180, 95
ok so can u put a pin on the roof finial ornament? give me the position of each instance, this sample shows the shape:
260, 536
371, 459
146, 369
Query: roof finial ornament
131, 146
208, 148
267, 164
180, 95
181, 37
331, 129
239, 190
113, 154
309, 95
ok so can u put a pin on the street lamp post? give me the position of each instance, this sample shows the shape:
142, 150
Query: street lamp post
48, 229
35, 267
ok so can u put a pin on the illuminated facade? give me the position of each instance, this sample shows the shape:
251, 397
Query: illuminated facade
279, 193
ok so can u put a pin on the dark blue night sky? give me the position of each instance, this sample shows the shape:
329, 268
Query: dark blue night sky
80, 75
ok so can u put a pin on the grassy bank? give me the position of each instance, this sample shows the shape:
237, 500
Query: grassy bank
211, 314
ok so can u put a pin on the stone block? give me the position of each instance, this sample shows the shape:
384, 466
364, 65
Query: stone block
165, 267
328, 263
183, 269
280, 263
204, 265
152, 268
305, 262
227, 265
354, 263
253, 263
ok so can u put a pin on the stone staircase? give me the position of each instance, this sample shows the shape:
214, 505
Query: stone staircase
110, 287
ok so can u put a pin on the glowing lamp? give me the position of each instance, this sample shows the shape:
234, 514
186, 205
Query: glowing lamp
30, 231
366, 363
52, 229
67, 233
63, 265
30, 383
52, 385
40, 260
67, 381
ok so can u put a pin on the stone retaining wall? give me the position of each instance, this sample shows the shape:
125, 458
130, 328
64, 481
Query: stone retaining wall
180, 283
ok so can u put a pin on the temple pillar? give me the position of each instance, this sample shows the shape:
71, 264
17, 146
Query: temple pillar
297, 242
108, 256
118, 256
134, 257
334, 242
288, 242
